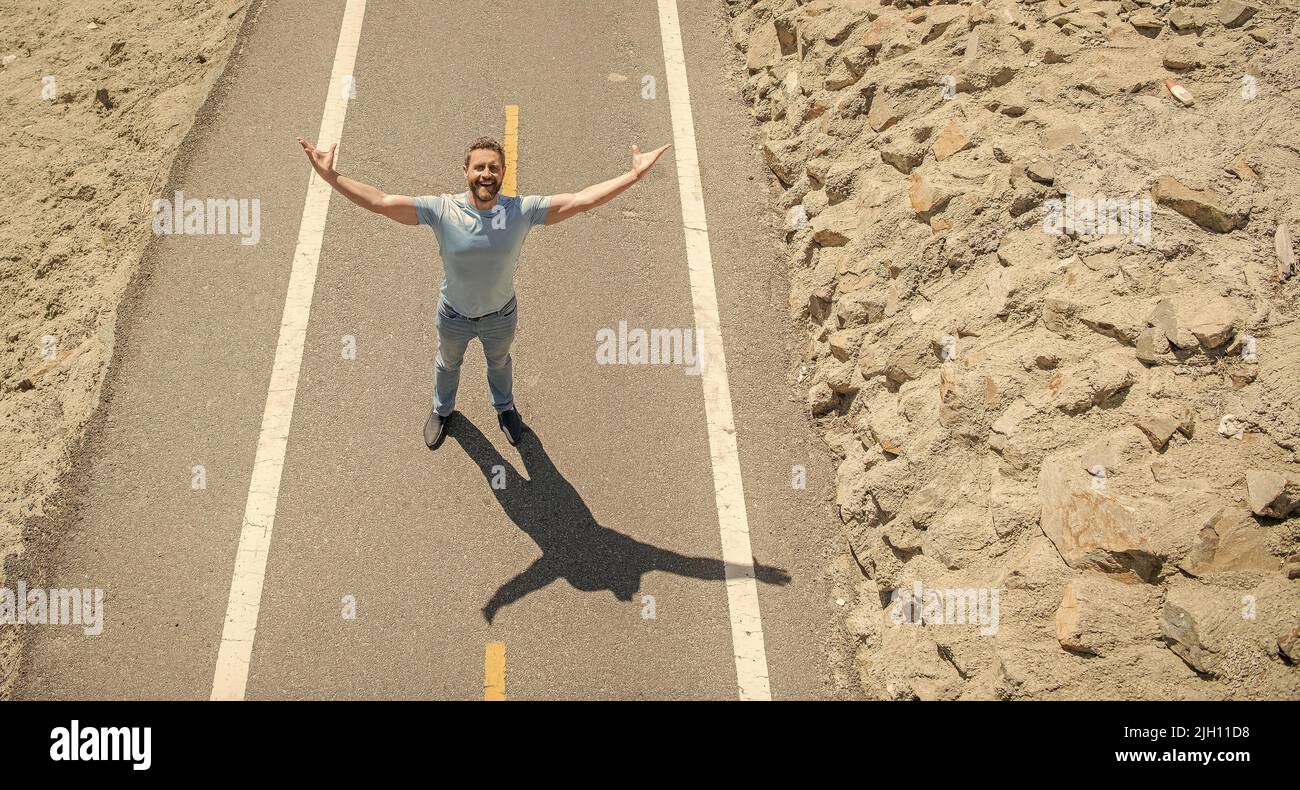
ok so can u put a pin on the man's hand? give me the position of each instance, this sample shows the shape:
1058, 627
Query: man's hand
399, 208
569, 205
643, 162
321, 161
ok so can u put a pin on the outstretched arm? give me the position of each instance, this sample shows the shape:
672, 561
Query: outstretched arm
400, 208
572, 204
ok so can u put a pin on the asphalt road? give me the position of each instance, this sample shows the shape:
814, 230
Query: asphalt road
607, 514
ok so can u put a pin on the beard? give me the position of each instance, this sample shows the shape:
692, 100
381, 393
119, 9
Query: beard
486, 191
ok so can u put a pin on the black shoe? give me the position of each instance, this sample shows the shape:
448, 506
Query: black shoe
435, 429
512, 424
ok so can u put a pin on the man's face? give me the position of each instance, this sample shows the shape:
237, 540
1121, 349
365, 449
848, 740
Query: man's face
484, 173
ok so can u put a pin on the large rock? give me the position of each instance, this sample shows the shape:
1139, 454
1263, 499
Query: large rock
1271, 493
1203, 207
1194, 624
850, 483
1059, 313
1213, 323
1285, 254
959, 538
886, 425
1223, 633
1288, 644
1184, 18
859, 308
845, 343
783, 157
843, 222
1098, 615
1093, 383
938, 19
1014, 507
883, 113
1151, 346
1123, 451
903, 153
902, 536
1182, 54
1233, 13
928, 196
1121, 319
880, 29
968, 399
951, 140
1189, 319
1230, 542
841, 376
841, 181
871, 490
1025, 249
788, 34
822, 399
831, 20
1145, 21
764, 49
1008, 423
888, 484
907, 363
1042, 171
847, 70
1160, 422
908, 666
1092, 529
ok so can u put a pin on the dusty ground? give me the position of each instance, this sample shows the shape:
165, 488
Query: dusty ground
1095, 426
97, 97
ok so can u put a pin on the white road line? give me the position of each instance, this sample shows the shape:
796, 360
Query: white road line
231, 676
728, 491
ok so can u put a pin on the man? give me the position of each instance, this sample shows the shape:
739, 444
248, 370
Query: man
479, 237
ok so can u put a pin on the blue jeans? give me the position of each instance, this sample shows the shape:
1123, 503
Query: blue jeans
496, 332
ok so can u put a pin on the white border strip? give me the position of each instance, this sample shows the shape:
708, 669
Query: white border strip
231, 676
729, 493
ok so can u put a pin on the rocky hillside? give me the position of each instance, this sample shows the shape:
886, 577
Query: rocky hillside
1042, 253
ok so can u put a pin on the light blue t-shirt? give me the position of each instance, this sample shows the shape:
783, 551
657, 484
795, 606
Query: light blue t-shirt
480, 249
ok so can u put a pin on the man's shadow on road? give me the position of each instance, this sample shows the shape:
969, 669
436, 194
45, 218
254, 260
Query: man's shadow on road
574, 547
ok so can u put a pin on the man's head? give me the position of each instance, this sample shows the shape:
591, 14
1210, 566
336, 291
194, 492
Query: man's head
485, 167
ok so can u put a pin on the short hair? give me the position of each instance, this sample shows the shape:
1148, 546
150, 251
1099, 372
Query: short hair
486, 142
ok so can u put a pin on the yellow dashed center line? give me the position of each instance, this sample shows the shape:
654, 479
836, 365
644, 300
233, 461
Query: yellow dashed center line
494, 672
511, 145
494, 654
